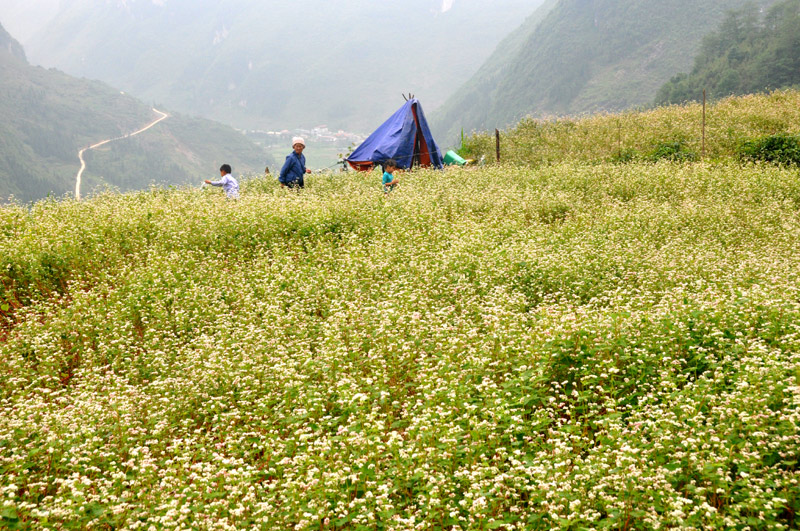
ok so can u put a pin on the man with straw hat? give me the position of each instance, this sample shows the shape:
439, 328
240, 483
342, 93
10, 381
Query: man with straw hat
294, 169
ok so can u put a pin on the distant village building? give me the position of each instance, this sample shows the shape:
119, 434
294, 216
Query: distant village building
318, 134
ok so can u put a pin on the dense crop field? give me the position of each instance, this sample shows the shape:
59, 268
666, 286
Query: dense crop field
643, 135
570, 346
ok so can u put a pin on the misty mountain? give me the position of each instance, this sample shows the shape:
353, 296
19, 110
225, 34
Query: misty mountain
272, 64
23, 19
46, 117
582, 56
471, 103
10, 46
749, 52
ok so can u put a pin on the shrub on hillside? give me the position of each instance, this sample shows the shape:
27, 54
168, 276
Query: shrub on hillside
625, 156
780, 148
674, 150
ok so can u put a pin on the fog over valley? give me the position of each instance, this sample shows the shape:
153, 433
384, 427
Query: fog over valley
274, 65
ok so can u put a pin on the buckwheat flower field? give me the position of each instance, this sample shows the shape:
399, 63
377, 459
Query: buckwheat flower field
572, 346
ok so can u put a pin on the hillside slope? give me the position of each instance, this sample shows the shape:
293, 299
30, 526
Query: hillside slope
10, 45
748, 53
589, 55
274, 65
674, 132
46, 116
471, 103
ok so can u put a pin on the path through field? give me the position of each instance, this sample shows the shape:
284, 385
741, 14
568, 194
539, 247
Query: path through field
80, 153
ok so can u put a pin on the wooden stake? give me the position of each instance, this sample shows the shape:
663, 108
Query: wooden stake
703, 149
497, 142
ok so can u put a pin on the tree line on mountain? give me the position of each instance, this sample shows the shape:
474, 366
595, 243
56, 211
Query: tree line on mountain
752, 51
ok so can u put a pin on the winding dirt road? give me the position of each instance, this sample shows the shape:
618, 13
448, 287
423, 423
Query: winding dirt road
80, 153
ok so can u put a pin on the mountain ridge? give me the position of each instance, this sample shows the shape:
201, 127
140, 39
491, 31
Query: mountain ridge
589, 56
751, 51
46, 117
272, 65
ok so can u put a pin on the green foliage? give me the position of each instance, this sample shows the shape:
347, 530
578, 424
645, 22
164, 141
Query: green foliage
506, 347
747, 53
624, 156
779, 149
675, 150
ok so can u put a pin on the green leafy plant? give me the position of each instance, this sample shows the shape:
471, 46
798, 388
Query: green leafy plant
675, 151
780, 149
625, 156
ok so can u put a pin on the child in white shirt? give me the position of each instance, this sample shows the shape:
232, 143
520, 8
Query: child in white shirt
227, 182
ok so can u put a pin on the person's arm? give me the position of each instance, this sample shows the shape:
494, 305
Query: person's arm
285, 170
214, 183
390, 183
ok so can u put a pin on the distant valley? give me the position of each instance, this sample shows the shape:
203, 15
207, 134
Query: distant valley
46, 117
276, 65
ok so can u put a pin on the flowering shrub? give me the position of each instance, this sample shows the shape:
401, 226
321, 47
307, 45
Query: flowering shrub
574, 346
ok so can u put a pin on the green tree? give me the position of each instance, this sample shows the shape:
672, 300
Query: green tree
748, 53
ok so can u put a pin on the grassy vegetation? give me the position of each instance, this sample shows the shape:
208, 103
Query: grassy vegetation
577, 346
646, 135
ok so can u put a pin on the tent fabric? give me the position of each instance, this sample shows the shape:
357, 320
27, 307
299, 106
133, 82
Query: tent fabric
404, 137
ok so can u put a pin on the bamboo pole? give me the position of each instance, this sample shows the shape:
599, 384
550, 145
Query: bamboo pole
703, 149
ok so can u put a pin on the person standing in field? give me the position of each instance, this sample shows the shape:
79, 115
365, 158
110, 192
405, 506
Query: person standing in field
389, 180
294, 169
227, 182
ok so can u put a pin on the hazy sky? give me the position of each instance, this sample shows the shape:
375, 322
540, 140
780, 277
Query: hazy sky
23, 18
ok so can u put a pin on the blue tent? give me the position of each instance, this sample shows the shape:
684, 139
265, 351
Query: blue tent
405, 137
